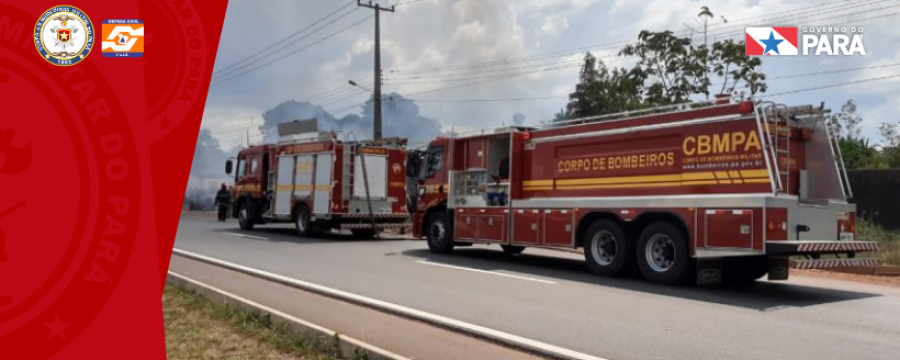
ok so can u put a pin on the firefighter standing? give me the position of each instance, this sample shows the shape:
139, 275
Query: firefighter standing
223, 200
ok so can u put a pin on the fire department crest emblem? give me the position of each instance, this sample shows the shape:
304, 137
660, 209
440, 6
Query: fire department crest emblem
64, 35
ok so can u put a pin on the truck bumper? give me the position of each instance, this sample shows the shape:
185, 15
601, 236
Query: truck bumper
834, 263
814, 248
809, 247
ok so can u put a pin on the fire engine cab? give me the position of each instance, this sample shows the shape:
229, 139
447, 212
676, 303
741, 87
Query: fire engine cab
700, 192
321, 183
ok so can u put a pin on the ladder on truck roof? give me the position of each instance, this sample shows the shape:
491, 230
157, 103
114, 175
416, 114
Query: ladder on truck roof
625, 115
776, 117
775, 130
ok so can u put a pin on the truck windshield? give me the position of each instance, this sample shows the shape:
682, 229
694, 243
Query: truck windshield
435, 160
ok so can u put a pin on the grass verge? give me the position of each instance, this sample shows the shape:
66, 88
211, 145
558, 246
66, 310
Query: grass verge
197, 328
888, 241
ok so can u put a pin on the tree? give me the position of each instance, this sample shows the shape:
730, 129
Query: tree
846, 123
674, 68
857, 153
601, 91
891, 149
729, 62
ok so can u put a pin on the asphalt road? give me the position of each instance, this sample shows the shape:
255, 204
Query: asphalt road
550, 296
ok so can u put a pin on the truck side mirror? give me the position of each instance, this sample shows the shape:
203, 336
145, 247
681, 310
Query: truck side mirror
228, 166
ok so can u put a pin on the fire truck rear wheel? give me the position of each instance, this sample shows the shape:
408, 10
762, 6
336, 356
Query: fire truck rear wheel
244, 218
662, 254
439, 233
607, 250
301, 221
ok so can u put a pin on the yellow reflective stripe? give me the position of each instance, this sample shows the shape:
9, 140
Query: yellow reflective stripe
755, 173
537, 182
618, 180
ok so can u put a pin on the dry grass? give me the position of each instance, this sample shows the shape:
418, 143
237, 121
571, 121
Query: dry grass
198, 329
889, 241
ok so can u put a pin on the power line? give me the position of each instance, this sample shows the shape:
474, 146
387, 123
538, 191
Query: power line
274, 44
714, 36
480, 100
559, 97
295, 51
787, 15
284, 47
832, 71
833, 85
725, 34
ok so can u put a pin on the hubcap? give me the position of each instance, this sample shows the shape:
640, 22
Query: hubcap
603, 247
242, 216
437, 232
660, 252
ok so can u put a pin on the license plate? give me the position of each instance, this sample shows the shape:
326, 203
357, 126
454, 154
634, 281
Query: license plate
846, 236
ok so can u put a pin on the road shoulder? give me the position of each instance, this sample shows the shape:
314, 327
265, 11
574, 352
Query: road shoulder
408, 338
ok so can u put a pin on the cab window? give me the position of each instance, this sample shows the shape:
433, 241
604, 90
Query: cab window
253, 163
435, 161
241, 168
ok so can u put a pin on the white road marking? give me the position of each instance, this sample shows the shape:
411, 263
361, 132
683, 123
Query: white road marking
496, 335
245, 236
423, 262
324, 330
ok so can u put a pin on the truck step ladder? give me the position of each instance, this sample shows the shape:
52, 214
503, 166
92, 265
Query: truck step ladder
362, 160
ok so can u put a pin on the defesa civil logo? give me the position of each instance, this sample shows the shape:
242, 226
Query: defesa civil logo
123, 38
822, 40
64, 35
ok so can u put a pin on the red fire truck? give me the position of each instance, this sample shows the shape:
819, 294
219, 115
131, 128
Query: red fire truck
321, 183
702, 192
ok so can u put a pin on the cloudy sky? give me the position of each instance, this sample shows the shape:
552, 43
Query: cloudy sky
476, 63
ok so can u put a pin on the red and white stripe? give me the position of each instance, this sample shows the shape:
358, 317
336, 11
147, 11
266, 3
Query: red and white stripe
838, 246
835, 263
379, 226
377, 216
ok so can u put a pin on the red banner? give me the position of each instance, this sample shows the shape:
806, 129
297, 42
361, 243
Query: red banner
102, 103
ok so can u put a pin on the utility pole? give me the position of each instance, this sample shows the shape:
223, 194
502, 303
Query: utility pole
377, 95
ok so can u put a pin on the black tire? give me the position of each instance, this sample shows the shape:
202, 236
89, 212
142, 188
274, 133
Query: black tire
245, 217
512, 249
439, 233
744, 270
301, 221
363, 233
606, 249
662, 254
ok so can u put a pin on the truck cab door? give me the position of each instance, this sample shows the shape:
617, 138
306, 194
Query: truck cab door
433, 184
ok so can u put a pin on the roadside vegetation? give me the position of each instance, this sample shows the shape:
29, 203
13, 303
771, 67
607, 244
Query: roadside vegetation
889, 241
197, 328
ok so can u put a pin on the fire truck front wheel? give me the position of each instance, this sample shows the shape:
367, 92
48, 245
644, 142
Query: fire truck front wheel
606, 250
662, 254
438, 233
245, 220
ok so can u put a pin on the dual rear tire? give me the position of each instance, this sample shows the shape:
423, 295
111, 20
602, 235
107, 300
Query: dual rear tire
660, 252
